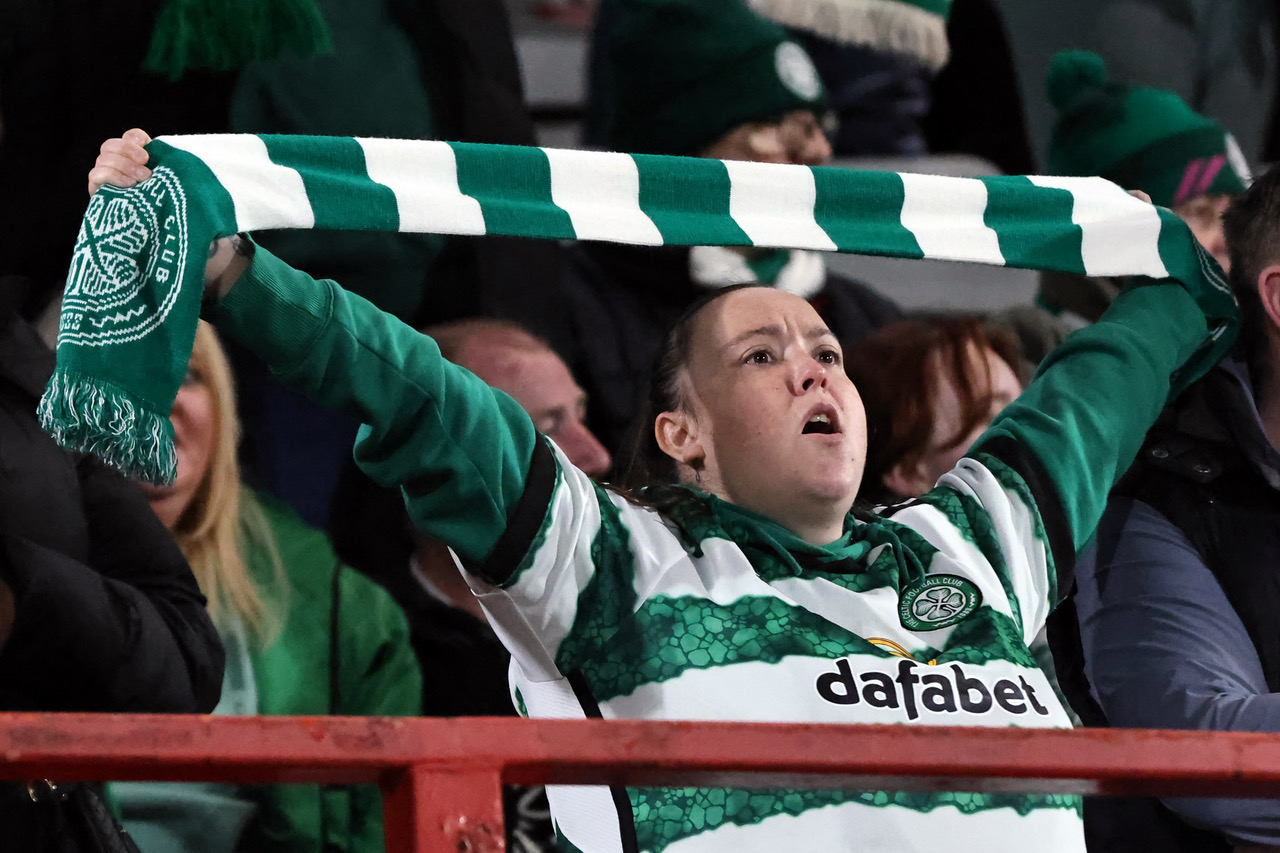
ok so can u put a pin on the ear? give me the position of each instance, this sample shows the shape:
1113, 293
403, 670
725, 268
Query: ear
678, 437
1269, 292
907, 480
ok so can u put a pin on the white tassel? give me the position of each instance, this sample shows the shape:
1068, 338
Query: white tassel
884, 24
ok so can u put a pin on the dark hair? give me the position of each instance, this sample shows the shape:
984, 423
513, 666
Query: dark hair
644, 463
895, 374
1252, 228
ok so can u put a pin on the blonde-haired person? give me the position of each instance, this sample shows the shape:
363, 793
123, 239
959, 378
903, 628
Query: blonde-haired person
303, 633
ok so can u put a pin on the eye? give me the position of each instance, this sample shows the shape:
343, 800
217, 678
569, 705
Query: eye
759, 356
828, 356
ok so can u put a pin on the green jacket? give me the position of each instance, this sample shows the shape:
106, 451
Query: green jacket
365, 667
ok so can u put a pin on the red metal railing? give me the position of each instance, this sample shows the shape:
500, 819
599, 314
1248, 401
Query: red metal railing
441, 777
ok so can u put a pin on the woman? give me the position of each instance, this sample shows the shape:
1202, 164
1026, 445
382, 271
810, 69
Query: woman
743, 589
961, 374
303, 634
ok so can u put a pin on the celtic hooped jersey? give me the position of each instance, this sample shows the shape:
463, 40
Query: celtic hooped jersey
712, 613
704, 611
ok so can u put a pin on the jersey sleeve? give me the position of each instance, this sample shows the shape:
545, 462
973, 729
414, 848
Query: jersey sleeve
461, 451
1080, 422
577, 586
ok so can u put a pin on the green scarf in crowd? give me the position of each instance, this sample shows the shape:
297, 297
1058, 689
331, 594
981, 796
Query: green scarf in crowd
136, 280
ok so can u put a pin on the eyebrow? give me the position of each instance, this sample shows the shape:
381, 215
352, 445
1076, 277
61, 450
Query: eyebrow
776, 330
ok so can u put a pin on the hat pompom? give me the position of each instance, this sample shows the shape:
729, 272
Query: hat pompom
1075, 76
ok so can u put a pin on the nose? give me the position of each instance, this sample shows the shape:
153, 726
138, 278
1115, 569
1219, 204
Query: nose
810, 374
817, 149
583, 449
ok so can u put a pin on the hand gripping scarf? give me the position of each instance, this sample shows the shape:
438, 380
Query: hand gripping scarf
136, 280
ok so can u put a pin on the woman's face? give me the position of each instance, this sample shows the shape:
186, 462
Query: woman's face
194, 432
1003, 387
773, 424
1204, 216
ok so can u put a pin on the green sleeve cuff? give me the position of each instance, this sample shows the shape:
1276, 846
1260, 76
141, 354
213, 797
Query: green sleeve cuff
274, 310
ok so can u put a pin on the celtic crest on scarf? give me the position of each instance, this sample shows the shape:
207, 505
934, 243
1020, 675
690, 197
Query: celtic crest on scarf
127, 264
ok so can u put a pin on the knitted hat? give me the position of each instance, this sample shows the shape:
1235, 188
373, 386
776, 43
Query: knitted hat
1140, 138
917, 28
676, 75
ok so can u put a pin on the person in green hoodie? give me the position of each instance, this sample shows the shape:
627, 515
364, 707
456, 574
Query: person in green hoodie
304, 635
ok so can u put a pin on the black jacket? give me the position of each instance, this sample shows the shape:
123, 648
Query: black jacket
621, 302
109, 616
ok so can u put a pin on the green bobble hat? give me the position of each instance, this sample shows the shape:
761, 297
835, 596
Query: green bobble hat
1140, 138
679, 74
917, 28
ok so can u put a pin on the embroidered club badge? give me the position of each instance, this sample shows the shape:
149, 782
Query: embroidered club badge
938, 601
125, 240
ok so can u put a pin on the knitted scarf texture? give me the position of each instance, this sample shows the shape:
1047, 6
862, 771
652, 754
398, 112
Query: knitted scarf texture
136, 279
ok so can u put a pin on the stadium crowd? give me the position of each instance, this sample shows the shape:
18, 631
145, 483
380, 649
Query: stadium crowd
626, 479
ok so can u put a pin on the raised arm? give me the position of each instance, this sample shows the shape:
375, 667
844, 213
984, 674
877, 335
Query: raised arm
1080, 423
460, 450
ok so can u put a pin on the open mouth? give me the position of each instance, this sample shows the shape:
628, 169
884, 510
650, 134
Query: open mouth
821, 422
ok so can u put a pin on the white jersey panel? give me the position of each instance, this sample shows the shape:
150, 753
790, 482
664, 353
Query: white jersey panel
857, 689
1027, 556
857, 828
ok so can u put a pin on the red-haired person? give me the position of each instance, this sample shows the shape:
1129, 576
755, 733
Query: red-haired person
930, 386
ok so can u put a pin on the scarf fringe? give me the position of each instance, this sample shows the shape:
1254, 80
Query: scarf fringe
86, 415
883, 24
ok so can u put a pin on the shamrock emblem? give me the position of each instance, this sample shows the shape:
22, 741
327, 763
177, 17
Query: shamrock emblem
104, 259
938, 603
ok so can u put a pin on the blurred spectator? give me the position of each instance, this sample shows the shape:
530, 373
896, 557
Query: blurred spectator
930, 386
1217, 55
707, 78
98, 609
1178, 596
876, 60
902, 84
464, 664
304, 635
1142, 139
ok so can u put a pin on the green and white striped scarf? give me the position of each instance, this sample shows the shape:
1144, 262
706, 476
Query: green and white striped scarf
136, 279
